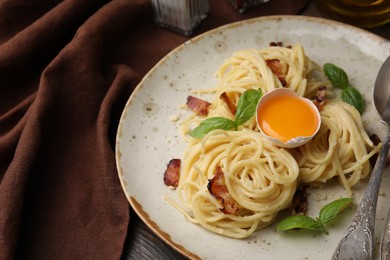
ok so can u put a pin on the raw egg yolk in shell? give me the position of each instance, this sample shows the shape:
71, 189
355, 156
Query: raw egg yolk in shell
286, 117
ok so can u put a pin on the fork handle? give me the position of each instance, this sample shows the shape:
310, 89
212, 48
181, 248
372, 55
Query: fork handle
385, 240
357, 242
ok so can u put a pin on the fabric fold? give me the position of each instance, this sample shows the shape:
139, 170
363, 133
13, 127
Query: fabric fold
67, 69
60, 195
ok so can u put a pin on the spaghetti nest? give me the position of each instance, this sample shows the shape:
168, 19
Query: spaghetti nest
261, 177
341, 148
248, 69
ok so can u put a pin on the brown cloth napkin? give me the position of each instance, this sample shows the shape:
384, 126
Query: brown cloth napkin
66, 71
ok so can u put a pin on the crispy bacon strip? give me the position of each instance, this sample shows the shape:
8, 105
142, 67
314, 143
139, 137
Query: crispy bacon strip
218, 189
275, 44
276, 67
279, 44
299, 203
375, 140
225, 98
319, 100
198, 105
172, 173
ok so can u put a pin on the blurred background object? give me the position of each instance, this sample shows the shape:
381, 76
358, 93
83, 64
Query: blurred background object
180, 16
362, 13
244, 5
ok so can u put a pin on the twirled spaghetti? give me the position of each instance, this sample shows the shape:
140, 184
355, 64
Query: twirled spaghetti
341, 148
261, 177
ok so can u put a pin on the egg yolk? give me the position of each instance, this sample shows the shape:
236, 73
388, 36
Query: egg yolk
287, 117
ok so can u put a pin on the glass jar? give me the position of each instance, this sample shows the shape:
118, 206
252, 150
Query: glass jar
181, 16
362, 13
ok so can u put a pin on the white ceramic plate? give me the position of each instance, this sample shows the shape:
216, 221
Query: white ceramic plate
147, 139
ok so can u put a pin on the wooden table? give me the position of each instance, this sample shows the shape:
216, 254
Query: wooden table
142, 243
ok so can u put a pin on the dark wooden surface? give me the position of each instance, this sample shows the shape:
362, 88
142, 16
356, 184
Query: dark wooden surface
142, 243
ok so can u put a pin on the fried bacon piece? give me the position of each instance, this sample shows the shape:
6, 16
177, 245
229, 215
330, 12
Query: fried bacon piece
276, 67
218, 189
299, 203
198, 105
375, 140
319, 100
225, 98
276, 44
172, 173
279, 44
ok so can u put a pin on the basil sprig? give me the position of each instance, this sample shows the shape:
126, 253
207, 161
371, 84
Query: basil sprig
327, 214
246, 108
352, 96
339, 78
210, 124
336, 75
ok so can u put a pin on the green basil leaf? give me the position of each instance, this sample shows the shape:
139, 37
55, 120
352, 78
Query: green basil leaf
210, 124
246, 106
299, 221
330, 211
352, 96
336, 75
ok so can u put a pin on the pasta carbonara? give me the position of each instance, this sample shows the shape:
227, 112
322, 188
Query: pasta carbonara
259, 177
